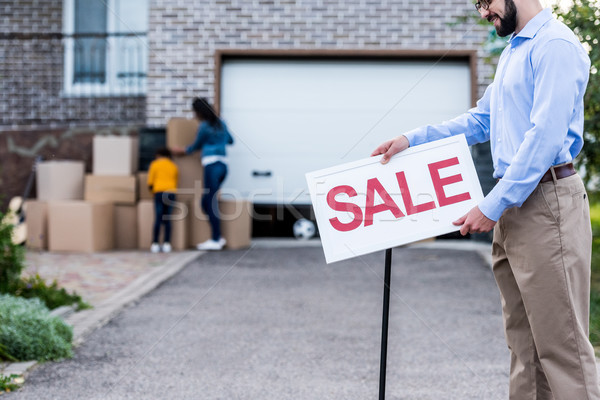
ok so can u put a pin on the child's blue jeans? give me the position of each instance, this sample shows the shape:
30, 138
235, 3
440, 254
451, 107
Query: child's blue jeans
163, 205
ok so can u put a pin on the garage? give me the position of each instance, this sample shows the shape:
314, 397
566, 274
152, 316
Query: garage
291, 115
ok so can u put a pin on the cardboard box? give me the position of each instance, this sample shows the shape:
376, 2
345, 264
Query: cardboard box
200, 230
126, 227
179, 225
145, 221
79, 226
115, 155
181, 132
236, 223
36, 220
191, 174
115, 189
143, 192
60, 180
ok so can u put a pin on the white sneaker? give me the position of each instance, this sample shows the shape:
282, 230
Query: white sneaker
210, 245
155, 248
222, 242
166, 247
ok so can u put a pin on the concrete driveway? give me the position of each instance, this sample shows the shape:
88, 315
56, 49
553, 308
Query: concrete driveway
279, 323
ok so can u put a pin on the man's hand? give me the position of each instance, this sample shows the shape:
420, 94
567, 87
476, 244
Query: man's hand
391, 147
474, 222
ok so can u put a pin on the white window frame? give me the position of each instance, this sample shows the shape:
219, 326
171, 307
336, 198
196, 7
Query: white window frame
111, 86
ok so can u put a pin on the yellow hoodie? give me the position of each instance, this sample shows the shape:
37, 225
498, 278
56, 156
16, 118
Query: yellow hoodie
162, 175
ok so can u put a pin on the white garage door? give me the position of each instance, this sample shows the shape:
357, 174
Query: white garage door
293, 116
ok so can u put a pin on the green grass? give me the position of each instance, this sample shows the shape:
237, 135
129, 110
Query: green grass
595, 286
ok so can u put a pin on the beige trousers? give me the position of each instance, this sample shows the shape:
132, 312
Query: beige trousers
541, 261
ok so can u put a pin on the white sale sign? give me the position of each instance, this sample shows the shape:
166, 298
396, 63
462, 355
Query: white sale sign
364, 206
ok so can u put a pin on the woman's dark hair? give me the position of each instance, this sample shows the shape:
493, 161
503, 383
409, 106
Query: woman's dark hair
164, 152
205, 112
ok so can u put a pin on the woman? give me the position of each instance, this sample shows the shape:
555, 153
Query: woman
211, 139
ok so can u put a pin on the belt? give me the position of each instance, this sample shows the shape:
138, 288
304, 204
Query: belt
560, 171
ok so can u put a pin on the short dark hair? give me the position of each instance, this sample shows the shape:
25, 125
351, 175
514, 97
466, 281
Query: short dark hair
164, 152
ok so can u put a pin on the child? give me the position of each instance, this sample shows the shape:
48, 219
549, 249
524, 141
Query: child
162, 181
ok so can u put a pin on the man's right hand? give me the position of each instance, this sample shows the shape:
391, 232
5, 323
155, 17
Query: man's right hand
391, 147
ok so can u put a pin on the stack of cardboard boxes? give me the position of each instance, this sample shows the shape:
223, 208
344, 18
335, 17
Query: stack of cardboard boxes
113, 180
59, 183
75, 212
112, 208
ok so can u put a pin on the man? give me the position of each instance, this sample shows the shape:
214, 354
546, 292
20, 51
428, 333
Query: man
533, 115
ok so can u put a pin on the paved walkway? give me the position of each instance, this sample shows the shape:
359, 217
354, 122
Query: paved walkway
96, 277
276, 322
108, 281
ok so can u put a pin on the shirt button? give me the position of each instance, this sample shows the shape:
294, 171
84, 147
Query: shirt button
500, 109
512, 50
499, 140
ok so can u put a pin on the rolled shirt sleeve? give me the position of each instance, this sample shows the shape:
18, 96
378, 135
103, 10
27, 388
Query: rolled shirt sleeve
474, 124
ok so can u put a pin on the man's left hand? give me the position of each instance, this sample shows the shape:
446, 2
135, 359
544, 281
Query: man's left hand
474, 222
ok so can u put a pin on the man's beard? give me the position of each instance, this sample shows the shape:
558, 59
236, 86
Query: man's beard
508, 24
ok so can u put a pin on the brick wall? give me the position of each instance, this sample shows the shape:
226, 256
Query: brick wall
184, 35
31, 75
35, 118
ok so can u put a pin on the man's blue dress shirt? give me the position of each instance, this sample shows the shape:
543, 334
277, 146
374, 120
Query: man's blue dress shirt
532, 112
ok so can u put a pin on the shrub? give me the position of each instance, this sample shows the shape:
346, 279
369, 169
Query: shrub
51, 295
595, 318
12, 263
8, 383
12, 257
4, 354
29, 332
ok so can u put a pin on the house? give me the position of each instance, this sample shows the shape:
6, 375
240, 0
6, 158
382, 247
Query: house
303, 84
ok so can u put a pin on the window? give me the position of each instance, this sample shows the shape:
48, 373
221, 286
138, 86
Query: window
106, 47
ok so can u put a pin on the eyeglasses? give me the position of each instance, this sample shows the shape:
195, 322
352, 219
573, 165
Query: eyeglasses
482, 5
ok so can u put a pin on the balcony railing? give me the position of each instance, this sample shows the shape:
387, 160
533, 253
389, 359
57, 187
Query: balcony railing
94, 64
53, 79
106, 63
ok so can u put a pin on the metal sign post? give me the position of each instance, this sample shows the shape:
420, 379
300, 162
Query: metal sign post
384, 322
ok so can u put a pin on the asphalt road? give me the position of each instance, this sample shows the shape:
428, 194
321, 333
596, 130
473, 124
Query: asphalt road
281, 324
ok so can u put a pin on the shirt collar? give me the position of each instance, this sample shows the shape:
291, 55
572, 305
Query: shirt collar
534, 25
